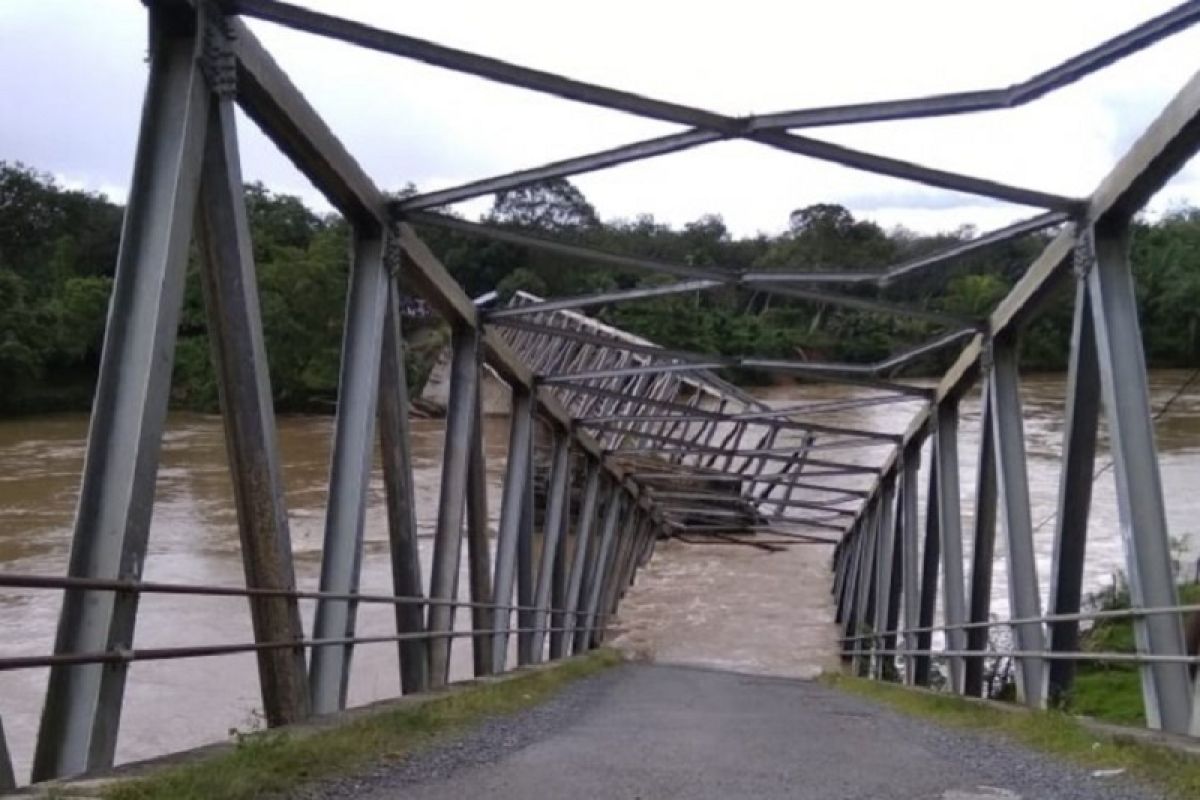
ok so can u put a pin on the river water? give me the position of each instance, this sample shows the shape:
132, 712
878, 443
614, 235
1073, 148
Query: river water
691, 604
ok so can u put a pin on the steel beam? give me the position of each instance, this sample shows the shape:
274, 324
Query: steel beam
235, 331
950, 530
349, 472
763, 283
600, 569
591, 300
984, 549
590, 254
910, 575
83, 702
447, 546
479, 559
525, 573
399, 496
1166, 687
884, 540
8, 781
576, 575
1012, 482
558, 497
516, 476
930, 559
1074, 493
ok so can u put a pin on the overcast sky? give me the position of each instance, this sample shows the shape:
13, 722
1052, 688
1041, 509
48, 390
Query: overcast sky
72, 74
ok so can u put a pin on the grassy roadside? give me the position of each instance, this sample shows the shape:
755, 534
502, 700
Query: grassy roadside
1051, 732
275, 762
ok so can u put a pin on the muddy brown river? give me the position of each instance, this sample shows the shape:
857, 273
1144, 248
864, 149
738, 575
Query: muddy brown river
724, 606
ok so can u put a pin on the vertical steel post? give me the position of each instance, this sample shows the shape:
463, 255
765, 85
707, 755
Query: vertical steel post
558, 498
911, 576
1012, 482
984, 550
479, 559
612, 515
895, 589
954, 611
1166, 686
584, 522
349, 471
865, 585
1074, 492
244, 388
525, 578
561, 569
511, 508
83, 702
883, 570
930, 560
394, 445
447, 545
8, 780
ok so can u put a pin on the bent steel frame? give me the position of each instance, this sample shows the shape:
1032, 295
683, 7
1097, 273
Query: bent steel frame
603, 404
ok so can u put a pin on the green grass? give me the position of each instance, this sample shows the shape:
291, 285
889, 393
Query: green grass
1049, 731
1113, 692
275, 762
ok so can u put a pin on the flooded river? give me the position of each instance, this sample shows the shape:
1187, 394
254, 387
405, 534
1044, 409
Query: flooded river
694, 603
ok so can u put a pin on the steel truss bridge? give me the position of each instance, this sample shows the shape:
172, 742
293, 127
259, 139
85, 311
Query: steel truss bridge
640, 442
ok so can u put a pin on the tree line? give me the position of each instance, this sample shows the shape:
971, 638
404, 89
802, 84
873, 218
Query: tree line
58, 250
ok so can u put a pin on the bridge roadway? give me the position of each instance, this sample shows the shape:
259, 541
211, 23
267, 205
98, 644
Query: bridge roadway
657, 731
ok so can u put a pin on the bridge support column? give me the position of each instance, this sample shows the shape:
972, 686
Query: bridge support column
512, 509
930, 558
884, 540
479, 557
1074, 493
525, 575
984, 549
949, 517
558, 498
864, 583
585, 521
599, 569
243, 382
447, 546
1166, 687
394, 443
895, 586
1024, 598
83, 702
910, 567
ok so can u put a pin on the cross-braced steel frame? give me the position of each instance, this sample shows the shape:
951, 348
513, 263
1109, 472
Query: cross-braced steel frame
640, 441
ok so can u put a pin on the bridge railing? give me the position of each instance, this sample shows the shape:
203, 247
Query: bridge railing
732, 464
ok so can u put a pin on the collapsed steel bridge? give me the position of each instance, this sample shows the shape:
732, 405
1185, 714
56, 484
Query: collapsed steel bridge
643, 442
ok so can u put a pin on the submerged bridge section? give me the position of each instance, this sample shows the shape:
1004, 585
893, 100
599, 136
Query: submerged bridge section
643, 442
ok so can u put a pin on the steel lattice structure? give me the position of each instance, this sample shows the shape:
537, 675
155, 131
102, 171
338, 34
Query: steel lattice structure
656, 443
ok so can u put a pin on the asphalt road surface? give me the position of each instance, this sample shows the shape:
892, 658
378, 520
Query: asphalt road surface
649, 732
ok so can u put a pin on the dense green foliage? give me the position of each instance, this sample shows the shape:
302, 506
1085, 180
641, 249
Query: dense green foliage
58, 250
